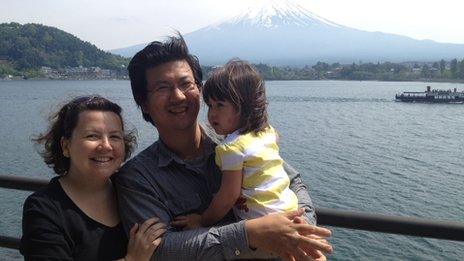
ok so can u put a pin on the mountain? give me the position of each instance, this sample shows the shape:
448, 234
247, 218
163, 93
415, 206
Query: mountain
33, 45
281, 32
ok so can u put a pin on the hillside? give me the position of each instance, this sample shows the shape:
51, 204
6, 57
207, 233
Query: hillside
29, 46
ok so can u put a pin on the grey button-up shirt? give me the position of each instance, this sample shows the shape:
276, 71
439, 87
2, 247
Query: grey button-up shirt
157, 183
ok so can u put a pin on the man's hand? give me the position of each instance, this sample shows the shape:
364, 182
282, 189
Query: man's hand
187, 222
279, 234
317, 255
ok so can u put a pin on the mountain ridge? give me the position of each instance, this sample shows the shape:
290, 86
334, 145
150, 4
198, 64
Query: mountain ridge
283, 33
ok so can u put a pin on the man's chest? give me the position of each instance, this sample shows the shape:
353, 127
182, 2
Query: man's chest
186, 189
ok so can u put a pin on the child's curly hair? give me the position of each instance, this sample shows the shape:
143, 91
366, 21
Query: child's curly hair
240, 83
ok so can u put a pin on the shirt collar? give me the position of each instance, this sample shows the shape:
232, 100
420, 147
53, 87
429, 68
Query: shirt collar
166, 156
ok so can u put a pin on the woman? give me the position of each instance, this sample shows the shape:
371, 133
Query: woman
75, 216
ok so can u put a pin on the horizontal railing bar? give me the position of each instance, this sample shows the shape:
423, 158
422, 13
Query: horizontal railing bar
22, 183
409, 226
9, 242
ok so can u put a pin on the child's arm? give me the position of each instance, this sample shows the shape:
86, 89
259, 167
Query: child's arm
224, 200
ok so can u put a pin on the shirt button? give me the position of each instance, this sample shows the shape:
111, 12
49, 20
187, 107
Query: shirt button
237, 252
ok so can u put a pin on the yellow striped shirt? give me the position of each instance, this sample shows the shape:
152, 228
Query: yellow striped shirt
265, 183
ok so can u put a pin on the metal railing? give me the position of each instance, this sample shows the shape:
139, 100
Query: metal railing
409, 226
19, 183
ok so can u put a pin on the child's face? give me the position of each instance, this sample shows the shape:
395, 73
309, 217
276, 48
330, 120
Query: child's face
223, 116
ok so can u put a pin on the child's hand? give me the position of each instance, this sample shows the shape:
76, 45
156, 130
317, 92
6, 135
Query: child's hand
187, 222
241, 204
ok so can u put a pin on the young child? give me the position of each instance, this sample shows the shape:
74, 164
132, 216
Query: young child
248, 156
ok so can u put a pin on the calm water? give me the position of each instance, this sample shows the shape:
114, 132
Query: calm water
356, 148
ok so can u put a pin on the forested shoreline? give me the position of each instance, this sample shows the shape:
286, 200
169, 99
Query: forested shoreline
34, 51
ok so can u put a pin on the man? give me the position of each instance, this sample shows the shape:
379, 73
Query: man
177, 174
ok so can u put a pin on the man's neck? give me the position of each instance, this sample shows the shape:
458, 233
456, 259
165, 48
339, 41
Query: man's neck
187, 144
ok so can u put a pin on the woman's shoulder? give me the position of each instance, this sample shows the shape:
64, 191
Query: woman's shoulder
46, 197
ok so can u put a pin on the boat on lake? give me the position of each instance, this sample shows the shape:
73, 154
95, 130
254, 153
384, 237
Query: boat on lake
432, 96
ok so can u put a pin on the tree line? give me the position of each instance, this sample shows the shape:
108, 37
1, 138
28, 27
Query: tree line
442, 70
25, 48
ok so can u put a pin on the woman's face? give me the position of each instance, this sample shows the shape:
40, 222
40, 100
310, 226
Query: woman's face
96, 147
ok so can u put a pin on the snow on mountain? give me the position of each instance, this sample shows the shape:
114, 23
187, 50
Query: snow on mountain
276, 13
281, 32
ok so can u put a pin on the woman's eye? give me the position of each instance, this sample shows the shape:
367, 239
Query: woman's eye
116, 137
92, 136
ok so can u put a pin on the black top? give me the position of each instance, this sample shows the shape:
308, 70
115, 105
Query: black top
54, 228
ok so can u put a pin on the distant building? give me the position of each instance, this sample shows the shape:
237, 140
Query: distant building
46, 70
4, 59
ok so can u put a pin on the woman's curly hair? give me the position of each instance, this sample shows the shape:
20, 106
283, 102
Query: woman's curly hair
63, 123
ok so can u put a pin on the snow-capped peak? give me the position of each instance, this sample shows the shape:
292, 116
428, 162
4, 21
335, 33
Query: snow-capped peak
278, 13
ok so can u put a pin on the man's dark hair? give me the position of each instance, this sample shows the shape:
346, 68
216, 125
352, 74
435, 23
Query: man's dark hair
240, 83
157, 53
63, 123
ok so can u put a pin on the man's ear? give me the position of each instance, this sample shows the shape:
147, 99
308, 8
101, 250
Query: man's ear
65, 146
144, 107
144, 110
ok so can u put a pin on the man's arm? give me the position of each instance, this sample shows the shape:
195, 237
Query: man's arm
301, 191
137, 202
274, 233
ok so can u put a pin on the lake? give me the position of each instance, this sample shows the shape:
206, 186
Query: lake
356, 148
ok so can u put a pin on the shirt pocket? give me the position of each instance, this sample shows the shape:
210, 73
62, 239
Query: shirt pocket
184, 204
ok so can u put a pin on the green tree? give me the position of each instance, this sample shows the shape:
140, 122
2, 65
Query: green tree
31, 46
6, 70
425, 72
461, 69
321, 68
442, 67
454, 68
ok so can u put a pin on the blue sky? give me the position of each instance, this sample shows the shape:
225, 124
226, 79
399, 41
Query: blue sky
111, 24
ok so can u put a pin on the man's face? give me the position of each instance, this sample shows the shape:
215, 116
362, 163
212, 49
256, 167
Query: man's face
173, 98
